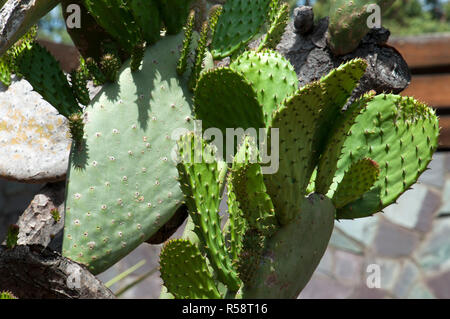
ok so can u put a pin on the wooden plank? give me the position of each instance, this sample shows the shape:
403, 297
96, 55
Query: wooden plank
444, 139
424, 50
433, 89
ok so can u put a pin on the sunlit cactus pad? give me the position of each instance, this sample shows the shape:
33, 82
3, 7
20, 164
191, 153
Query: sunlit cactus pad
122, 185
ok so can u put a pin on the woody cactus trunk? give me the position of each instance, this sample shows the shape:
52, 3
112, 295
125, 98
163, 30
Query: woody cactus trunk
136, 157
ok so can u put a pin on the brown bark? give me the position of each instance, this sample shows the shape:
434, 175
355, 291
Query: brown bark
36, 272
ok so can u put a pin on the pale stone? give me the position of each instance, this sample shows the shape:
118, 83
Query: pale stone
34, 139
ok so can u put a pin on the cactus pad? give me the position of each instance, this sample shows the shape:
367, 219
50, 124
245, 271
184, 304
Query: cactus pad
239, 22
117, 19
360, 177
296, 121
271, 75
200, 182
400, 134
122, 185
185, 272
234, 107
41, 69
293, 253
250, 190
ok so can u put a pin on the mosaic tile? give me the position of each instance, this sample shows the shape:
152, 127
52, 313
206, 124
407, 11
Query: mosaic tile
408, 275
434, 253
362, 230
406, 213
394, 241
433, 176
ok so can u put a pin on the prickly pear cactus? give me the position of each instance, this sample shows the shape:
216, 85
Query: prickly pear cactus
348, 23
240, 21
122, 185
333, 163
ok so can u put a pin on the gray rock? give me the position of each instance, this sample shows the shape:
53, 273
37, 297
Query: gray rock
34, 139
312, 59
303, 19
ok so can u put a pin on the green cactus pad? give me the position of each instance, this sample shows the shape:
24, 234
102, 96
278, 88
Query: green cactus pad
117, 19
146, 14
200, 54
174, 14
400, 134
236, 222
235, 107
348, 23
250, 255
295, 121
339, 85
250, 190
328, 162
79, 80
360, 178
200, 183
122, 186
293, 253
239, 22
41, 69
277, 28
187, 42
271, 75
185, 272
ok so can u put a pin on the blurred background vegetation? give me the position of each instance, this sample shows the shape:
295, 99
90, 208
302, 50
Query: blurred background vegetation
407, 17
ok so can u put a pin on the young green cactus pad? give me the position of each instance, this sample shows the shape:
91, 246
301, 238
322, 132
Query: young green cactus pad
348, 23
117, 19
296, 121
41, 69
272, 77
122, 185
293, 253
174, 13
360, 177
277, 27
200, 181
187, 42
400, 134
235, 107
250, 190
146, 15
239, 22
185, 272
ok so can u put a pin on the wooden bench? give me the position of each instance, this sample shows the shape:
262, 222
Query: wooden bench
428, 57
